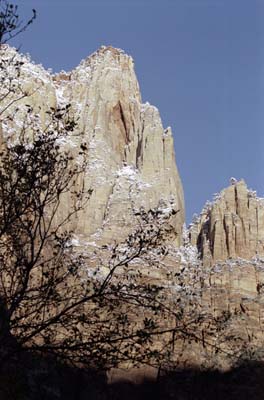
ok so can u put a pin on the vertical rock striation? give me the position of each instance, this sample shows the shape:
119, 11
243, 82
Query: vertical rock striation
231, 227
131, 164
131, 160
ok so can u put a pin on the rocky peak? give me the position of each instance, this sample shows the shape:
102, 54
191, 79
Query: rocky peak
232, 226
131, 157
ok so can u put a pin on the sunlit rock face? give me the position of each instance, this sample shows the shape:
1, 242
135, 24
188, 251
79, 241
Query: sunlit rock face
131, 160
230, 227
229, 238
131, 164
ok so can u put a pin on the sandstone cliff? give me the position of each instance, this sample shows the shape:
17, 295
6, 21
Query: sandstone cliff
230, 227
131, 164
131, 157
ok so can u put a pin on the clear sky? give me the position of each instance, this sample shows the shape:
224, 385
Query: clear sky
201, 62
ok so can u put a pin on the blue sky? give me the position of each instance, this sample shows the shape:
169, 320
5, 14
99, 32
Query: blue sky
201, 62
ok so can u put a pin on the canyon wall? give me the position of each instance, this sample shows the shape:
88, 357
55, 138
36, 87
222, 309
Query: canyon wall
131, 160
131, 164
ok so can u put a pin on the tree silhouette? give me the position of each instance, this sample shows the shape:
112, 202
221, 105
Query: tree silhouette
97, 310
49, 302
11, 24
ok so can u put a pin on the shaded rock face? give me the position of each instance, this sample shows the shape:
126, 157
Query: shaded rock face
231, 227
131, 160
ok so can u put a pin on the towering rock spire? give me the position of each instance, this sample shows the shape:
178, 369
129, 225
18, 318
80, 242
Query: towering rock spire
131, 161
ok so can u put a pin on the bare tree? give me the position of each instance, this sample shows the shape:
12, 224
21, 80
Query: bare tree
55, 300
49, 301
34, 175
11, 24
58, 301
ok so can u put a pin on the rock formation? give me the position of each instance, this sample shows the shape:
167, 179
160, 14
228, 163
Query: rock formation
131, 164
229, 237
131, 157
230, 227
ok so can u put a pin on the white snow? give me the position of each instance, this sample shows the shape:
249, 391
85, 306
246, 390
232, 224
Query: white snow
128, 172
61, 100
66, 141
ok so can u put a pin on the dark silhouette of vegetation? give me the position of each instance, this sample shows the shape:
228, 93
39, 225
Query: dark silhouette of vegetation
49, 302
53, 381
61, 308
60, 302
11, 24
